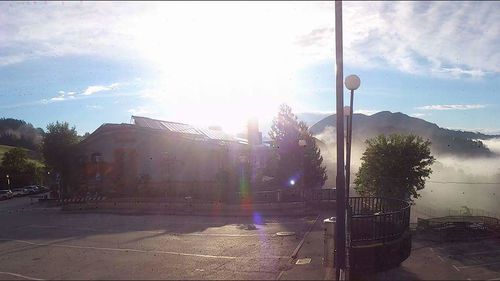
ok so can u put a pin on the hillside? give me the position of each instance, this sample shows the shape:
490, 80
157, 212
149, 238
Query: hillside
444, 141
14, 132
33, 156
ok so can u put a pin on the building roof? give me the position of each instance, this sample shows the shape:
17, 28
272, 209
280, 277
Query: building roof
185, 130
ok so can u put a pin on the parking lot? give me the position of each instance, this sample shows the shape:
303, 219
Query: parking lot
45, 243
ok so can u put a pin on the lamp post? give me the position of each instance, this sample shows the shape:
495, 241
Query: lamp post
244, 188
8, 180
303, 144
352, 83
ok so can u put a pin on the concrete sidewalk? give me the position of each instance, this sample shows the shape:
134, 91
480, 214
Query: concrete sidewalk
308, 263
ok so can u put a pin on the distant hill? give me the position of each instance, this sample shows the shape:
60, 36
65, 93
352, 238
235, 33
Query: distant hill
444, 141
312, 118
32, 155
14, 132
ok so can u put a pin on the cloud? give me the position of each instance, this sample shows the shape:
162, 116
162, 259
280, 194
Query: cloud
452, 107
459, 72
61, 97
140, 110
444, 39
99, 88
94, 107
90, 90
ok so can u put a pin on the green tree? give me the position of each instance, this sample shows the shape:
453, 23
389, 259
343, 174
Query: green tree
60, 152
292, 162
21, 171
394, 166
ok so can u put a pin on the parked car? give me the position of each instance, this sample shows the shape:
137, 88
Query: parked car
17, 192
42, 188
32, 189
6, 194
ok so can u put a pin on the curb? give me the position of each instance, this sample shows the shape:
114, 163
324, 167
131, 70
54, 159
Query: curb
299, 246
297, 249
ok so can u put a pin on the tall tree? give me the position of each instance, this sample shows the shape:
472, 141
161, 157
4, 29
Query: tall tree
292, 163
21, 171
59, 150
394, 166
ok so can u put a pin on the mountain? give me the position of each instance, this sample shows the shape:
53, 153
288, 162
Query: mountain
14, 132
444, 141
311, 118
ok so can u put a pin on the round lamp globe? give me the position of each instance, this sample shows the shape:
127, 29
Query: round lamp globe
352, 82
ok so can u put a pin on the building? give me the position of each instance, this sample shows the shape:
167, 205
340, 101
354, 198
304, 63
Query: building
162, 158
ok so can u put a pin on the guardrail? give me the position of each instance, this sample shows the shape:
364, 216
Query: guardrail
378, 219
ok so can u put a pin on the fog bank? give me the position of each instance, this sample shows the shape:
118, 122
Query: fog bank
455, 182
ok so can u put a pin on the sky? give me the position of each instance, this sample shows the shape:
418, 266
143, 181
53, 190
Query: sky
220, 63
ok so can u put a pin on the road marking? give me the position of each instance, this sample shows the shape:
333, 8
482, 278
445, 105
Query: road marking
152, 231
456, 268
221, 234
432, 250
141, 251
279, 275
482, 264
498, 278
19, 275
440, 258
63, 227
120, 249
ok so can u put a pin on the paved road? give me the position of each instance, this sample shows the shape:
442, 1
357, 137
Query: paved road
432, 260
45, 243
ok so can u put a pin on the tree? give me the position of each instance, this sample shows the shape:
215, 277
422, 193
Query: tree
394, 166
60, 152
21, 171
292, 163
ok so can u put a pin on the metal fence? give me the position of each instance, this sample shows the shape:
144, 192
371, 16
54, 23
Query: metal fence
293, 195
328, 194
378, 219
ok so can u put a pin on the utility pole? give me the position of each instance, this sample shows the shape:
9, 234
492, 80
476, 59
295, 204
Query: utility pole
340, 200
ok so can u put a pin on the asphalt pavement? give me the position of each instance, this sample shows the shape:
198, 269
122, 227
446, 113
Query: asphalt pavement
38, 243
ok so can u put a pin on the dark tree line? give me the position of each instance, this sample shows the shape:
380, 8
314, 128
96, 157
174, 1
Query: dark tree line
18, 133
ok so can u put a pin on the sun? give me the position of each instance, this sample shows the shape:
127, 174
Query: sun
210, 72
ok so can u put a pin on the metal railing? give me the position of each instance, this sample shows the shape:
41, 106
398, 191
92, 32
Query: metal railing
378, 219
292, 195
328, 194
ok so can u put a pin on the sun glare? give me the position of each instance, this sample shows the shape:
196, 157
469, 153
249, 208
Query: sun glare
220, 68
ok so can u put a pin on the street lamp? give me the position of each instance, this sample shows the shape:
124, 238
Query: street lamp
303, 144
352, 83
8, 180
